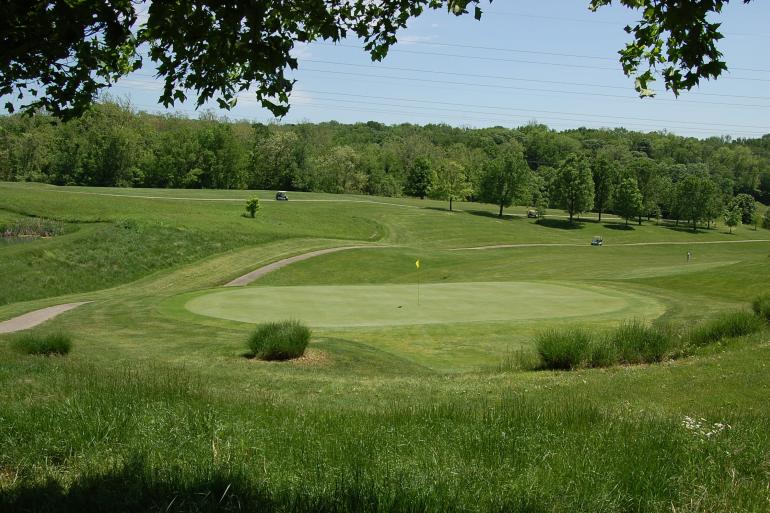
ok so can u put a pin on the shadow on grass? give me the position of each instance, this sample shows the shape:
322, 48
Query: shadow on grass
616, 226
561, 224
682, 228
137, 488
492, 215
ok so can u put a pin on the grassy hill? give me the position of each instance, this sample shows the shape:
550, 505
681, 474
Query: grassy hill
156, 408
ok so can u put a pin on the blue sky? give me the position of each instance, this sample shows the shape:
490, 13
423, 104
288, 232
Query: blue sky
553, 62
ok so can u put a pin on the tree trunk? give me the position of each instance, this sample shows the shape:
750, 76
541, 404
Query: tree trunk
600, 214
570, 217
640, 219
450, 203
501, 211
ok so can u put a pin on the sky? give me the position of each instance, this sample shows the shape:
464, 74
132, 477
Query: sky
551, 61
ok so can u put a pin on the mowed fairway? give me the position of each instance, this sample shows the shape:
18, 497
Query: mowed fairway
439, 303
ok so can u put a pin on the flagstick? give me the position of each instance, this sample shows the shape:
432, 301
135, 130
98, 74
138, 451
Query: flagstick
418, 286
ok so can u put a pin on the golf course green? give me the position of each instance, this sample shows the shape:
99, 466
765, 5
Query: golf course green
439, 303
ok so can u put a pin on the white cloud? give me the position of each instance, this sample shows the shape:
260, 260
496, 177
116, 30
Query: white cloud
411, 40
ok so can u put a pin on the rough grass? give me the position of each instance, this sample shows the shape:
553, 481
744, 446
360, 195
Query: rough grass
725, 325
635, 342
42, 344
761, 306
566, 348
282, 340
173, 446
31, 227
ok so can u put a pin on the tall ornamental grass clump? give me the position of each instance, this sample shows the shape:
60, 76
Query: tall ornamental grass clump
761, 306
50, 344
725, 325
566, 348
636, 342
279, 340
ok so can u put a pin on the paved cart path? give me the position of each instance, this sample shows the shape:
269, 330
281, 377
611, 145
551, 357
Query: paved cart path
258, 273
36, 317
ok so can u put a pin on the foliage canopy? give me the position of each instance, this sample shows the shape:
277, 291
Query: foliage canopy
220, 49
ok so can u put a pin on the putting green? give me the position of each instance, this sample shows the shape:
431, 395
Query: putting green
387, 305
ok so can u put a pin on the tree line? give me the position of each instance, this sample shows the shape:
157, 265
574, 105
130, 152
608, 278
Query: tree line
632, 174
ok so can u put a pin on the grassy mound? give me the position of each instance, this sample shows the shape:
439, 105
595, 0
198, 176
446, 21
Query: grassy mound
725, 325
279, 340
50, 344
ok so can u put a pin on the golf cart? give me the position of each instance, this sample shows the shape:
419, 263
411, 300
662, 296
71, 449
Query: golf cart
597, 241
532, 214
281, 196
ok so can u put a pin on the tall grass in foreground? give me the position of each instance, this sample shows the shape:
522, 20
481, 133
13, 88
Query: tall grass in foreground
279, 340
158, 440
39, 344
725, 325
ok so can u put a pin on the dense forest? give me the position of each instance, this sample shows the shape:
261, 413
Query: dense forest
607, 170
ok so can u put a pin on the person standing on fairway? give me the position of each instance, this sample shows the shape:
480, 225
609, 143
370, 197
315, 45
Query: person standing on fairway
689, 256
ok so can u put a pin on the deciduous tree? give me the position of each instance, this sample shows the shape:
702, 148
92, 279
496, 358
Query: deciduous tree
506, 177
574, 186
628, 199
450, 182
732, 216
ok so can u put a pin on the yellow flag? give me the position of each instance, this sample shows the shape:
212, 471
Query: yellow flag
417, 263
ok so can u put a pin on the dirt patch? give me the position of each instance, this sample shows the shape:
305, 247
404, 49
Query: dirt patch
313, 358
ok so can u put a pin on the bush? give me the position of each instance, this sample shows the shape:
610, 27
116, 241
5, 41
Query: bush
761, 306
766, 219
51, 344
279, 340
567, 348
252, 206
636, 342
726, 325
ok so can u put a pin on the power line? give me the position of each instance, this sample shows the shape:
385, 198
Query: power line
532, 111
534, 90
601, 22
540, 52
494, 120
564, 123
515, 79
518, 61
593, 119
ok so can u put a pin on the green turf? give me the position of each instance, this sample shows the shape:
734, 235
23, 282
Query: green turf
439, 303
159, 409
